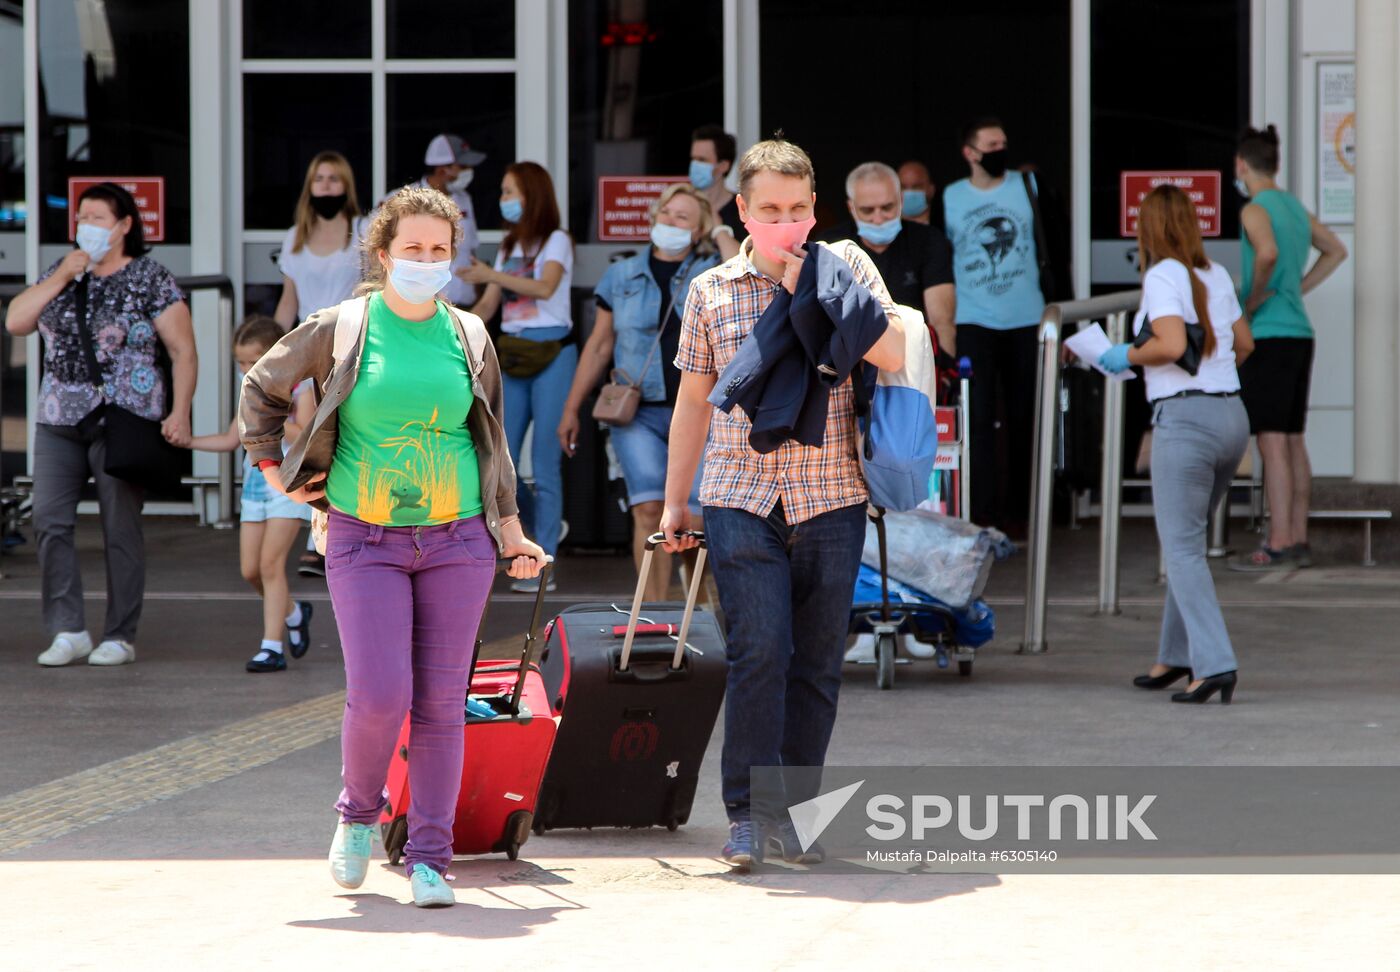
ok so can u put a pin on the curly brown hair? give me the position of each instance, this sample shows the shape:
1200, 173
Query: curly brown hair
384, 226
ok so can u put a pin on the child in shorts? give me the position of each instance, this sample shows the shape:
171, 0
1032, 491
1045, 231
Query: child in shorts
269, 522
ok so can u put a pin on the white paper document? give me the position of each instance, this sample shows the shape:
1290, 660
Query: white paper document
1089, 343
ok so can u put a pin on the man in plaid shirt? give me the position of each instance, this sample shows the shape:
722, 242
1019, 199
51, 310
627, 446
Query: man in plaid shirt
785, 529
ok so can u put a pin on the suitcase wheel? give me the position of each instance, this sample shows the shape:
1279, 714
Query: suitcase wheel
395, 836
673, 824
516, 833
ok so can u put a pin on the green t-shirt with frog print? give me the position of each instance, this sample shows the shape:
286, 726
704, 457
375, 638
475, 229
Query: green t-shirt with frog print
405, 456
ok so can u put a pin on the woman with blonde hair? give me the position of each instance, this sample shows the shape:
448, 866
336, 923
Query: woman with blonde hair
636, 336
1190, 337
407, 453
320, 260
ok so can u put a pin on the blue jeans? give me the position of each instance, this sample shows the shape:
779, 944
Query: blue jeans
786, 594
642, 447
541, 398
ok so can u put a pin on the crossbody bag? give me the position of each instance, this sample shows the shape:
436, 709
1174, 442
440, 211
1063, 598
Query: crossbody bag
619, 399
136, 451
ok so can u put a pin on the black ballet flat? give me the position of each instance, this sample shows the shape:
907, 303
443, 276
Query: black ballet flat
1224, 683
1162, 680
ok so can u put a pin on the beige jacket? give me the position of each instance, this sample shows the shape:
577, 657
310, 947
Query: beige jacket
308, 352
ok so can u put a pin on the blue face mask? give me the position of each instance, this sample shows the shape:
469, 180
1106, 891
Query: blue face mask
511, 210
1241, 188
670, 239
702, 174
915, 203
419, 283
95, 241
881, 234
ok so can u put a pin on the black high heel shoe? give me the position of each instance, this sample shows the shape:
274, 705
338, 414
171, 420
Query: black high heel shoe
1162, 680
1224, 683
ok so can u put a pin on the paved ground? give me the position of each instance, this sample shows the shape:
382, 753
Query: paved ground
177, 810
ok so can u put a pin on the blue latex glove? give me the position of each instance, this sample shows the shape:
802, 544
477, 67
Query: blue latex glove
1115, 359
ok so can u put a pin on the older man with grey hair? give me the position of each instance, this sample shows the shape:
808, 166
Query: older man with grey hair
915, 260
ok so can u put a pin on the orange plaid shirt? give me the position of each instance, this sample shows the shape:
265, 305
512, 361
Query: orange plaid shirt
721, 310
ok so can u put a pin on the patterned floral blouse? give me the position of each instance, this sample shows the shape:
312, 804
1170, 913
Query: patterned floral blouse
122, 309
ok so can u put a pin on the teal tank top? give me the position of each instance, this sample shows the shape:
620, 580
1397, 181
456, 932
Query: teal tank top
1282, 315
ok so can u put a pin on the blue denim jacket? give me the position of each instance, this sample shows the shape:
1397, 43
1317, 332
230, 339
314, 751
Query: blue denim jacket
635, 298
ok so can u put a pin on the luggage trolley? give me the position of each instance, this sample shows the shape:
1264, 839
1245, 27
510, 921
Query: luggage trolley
930, 623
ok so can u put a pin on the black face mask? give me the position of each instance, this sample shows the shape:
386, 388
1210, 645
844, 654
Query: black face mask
994, 163
328, 207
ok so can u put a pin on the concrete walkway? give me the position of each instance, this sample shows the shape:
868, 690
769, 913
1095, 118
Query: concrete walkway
176, 811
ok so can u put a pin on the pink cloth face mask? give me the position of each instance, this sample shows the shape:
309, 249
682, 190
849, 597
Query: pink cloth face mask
771, 238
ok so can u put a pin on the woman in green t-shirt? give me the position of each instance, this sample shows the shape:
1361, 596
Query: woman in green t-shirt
407, 453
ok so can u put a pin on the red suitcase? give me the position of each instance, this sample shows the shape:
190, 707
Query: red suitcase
503, 761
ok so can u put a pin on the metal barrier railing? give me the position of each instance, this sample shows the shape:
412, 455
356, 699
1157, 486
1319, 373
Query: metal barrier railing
189, 285
1115, 308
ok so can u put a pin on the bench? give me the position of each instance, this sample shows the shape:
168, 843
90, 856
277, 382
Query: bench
200, 486
1367, 517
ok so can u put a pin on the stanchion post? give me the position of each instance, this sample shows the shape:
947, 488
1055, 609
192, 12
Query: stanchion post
1220, 528
1047, 399
1111, 478
225, 520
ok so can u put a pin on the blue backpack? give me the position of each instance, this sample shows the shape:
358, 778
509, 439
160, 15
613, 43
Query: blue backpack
897, 428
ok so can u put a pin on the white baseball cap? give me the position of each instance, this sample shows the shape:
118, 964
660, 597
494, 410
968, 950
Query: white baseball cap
449, 149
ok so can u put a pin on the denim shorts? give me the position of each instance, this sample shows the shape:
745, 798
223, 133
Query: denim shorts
641, 447
260, 501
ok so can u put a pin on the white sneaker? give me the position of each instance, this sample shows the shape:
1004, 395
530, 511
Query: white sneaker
429, 889
863, 651
113, 652
915, 648
349, 856
67, 647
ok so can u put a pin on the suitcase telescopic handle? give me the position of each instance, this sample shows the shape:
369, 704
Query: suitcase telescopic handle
654, 541
531, 635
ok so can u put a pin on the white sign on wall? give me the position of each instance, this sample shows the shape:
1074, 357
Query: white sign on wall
1336, 142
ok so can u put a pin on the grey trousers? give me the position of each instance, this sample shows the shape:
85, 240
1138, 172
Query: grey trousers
1197, 444
63, 461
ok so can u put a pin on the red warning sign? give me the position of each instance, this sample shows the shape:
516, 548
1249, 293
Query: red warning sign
1202, 186
624, 206
148, 191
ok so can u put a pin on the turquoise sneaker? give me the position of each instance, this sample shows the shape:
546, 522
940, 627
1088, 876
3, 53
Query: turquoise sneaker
349, 856
429, 889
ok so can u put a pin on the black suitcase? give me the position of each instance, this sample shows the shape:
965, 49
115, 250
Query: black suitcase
594, 505
641, 708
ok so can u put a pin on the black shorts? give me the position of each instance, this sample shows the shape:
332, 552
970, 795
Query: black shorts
1274, 384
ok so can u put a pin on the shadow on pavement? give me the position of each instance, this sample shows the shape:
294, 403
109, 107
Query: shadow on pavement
381, 913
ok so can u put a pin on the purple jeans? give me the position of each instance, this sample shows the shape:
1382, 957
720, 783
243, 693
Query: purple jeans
408, 601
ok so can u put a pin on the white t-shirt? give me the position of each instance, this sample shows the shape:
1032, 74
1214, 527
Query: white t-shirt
458, 291
321, 281
518, 312
1166, 292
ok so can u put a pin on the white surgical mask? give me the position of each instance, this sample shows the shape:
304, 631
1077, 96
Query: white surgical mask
670, 239
1241, 188
464, 179
95, 241
419, 283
